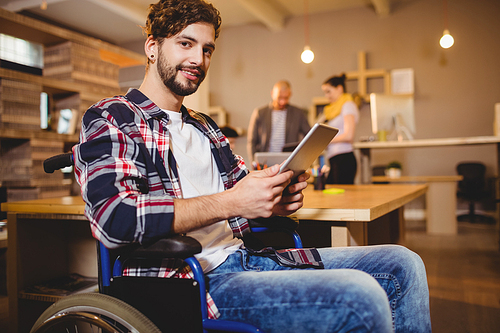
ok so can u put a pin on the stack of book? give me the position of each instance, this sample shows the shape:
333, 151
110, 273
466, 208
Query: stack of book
79, 63
19, 104
53, 290
21, 170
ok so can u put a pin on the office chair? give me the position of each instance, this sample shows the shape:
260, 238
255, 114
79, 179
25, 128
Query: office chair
473, 188
139, 304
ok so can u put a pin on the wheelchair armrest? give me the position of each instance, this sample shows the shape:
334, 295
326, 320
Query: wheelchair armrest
275, 222
182, 247
173, 247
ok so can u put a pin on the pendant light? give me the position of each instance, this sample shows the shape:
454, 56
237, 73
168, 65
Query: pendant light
446, 40
43, 6
307, 55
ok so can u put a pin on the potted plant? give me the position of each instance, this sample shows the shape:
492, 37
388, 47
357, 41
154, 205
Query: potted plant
393, 169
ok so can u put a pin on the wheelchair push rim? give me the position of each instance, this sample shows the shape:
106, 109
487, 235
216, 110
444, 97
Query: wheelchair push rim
91, 311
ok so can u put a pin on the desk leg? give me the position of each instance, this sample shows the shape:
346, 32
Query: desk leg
358, 233
12, 272
366, 171
441, 204
401, 223
340, 236
387, 229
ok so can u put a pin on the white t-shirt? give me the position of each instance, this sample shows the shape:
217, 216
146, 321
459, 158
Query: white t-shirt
191, 148
337, 148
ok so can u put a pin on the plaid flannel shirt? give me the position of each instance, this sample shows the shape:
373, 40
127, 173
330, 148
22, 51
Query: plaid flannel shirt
128, 178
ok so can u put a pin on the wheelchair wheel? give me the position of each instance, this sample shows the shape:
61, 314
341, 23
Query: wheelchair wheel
92, 313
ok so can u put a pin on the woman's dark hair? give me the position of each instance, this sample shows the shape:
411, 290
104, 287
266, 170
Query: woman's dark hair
167, 18
335, 81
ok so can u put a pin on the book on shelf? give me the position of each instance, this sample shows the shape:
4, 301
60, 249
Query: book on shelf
63, 286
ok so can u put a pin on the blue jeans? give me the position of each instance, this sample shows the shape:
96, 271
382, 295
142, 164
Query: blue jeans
343, 297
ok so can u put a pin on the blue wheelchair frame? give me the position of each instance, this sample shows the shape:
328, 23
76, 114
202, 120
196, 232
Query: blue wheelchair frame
182, 247
107, 275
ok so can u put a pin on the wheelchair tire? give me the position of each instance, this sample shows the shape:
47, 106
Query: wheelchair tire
84, 312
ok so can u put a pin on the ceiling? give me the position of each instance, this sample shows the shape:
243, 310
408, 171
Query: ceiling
118, 21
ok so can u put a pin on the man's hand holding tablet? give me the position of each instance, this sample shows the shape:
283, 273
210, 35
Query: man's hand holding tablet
309, 149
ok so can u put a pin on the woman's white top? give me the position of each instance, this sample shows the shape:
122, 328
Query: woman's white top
333, 149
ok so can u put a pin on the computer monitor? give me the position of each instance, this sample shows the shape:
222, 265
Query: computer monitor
393, 114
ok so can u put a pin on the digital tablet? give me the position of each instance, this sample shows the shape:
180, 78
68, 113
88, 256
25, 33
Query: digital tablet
268, 158
309, 148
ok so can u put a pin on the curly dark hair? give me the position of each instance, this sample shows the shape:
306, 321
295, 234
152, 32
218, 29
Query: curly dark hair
169, 17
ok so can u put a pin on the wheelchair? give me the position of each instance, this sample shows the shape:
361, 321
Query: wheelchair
139, 304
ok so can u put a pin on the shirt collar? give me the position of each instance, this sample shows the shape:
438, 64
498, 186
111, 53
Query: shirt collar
149, 108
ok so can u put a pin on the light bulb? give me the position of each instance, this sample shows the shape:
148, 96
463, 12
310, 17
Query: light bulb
447, 40
307, 55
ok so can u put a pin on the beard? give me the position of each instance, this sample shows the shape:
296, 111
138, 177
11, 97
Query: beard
168, 75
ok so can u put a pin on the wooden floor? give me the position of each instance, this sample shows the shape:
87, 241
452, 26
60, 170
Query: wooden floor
464, 276
463, 273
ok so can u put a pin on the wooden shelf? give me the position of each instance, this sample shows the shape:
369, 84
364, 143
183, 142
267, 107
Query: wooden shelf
57, 85
72, 84
49, 238
53, 86
30, 29
65, 205
7, 133
57, 288
44, 247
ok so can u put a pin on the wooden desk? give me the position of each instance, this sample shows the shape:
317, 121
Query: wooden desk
440, 200
362, 215
365, 148
48, 238
438, 142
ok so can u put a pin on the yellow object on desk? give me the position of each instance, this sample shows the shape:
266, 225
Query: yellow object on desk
333, 190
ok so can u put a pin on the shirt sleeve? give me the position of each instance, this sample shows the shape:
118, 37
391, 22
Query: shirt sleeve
253, 138
304, 124
350, 108
124, 196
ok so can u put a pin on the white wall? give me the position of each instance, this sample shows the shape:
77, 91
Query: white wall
455, 89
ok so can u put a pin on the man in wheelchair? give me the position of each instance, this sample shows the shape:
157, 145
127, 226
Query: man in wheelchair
151, 168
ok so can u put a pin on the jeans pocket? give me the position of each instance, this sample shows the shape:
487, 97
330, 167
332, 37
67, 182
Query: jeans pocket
245, 262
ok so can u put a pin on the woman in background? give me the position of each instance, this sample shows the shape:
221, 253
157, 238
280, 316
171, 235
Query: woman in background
343, 114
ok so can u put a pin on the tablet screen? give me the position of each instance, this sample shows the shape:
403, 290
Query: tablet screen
309, 148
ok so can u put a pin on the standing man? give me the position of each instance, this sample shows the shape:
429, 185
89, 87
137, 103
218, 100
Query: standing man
149, 168
276, 124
